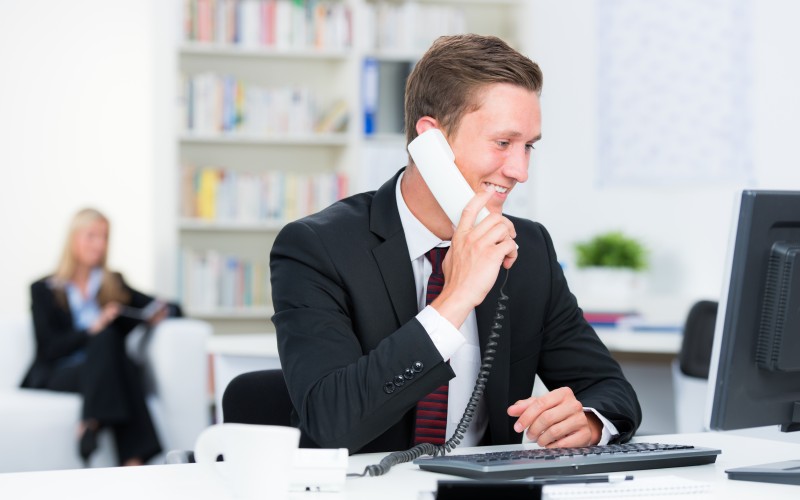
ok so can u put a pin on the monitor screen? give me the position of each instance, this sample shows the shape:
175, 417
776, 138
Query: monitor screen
754, 376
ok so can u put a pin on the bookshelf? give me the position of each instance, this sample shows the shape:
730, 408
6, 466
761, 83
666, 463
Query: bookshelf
278, 116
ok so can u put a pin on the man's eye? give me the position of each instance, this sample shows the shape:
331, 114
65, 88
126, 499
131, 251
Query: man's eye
529, 147
503, 144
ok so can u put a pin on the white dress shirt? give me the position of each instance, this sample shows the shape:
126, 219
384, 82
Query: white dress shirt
459, 345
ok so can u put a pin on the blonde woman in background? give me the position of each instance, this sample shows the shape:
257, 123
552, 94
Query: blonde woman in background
82, 314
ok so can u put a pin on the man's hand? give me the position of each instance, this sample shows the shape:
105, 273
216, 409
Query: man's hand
474, 259
556, 420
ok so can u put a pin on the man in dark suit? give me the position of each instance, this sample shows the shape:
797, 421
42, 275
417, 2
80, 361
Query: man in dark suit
359, 344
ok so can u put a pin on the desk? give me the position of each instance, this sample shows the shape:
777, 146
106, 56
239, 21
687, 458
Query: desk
232, 355
626, 341
404, 482
645, 358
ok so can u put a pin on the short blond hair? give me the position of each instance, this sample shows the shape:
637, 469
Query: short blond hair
447, 81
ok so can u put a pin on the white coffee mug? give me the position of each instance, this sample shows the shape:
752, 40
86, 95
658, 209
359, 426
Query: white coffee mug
257, 458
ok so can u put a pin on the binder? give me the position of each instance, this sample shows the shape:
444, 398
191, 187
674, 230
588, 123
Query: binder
369, 94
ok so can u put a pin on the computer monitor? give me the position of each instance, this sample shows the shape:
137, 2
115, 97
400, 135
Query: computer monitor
754, 375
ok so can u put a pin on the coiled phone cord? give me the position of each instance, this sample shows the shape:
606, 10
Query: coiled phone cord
421, 449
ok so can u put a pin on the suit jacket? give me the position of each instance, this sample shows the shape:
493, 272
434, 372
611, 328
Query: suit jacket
56, 337
356, 360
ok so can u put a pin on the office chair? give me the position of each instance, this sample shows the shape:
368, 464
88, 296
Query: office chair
690, 368
258, 397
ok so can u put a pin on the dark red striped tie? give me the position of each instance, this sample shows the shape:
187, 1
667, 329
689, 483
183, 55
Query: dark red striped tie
430, 425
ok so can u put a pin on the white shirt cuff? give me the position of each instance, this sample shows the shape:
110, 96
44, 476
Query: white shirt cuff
443, 334
609, 430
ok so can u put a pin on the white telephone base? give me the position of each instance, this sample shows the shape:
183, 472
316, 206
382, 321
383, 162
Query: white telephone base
317, 470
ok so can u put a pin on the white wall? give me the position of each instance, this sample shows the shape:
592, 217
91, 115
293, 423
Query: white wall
76, 129
685, 228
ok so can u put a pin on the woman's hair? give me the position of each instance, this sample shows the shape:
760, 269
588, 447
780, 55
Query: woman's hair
447, 81
111, 288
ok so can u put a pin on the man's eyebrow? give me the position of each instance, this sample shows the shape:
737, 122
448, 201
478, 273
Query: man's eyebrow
515, 134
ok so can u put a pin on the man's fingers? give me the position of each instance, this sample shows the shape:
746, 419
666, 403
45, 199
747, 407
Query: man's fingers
566, 430
471, 209
554, 419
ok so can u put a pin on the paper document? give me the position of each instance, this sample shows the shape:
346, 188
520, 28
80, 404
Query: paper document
661, 486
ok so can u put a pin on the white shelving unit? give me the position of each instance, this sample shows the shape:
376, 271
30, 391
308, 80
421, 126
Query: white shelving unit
328, 74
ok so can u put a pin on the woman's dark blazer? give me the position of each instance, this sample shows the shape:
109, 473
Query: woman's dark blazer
55, 335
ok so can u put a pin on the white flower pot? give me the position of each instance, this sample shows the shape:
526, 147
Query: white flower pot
607, 289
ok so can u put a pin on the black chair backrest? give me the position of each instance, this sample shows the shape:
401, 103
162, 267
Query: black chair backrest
261, 398
698, 338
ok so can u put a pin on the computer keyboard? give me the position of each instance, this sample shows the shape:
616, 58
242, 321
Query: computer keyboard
517, 464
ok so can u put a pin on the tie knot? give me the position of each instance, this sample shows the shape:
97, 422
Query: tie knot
436, 257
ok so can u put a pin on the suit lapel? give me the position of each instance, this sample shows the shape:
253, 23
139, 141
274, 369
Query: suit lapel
392, 255
496, 393
394, 263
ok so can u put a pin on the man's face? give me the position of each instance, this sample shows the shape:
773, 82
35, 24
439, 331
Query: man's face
493, 144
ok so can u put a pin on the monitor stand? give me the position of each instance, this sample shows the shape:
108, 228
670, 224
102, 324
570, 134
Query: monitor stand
787, 472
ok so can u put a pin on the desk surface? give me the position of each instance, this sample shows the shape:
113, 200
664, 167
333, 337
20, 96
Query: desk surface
244, 344
622, 340
404, 482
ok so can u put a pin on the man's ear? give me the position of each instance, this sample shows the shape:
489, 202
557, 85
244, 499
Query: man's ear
426, 123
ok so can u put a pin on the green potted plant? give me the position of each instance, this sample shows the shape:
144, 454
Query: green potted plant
612, 249
610, 267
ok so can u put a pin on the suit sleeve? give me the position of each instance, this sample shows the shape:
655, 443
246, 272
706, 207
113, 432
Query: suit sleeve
54, 337
340, 391
137, 299
574, 356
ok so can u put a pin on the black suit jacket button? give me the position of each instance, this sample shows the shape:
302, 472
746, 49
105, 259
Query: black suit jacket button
417, 366
399, 380
408, 373
388, 387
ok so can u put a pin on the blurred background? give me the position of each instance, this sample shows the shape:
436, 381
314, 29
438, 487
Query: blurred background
199, 135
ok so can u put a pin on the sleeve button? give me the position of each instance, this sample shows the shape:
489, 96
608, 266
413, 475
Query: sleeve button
417, 366
399, 380
408, 373
388, 388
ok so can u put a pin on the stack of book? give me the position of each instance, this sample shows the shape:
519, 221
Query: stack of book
225, 195
631, 321
211, 103
608, 319
269, 23
211, 280
410, 26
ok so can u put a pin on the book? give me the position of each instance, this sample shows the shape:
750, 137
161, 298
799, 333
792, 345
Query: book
334, 119
145, 313
607, 318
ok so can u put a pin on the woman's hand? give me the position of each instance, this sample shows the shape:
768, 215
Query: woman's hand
107, 315
163, 312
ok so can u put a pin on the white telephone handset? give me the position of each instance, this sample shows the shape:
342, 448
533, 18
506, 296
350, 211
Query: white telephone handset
435, 161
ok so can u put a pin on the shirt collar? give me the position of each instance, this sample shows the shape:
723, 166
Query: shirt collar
75, 297
418, 237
